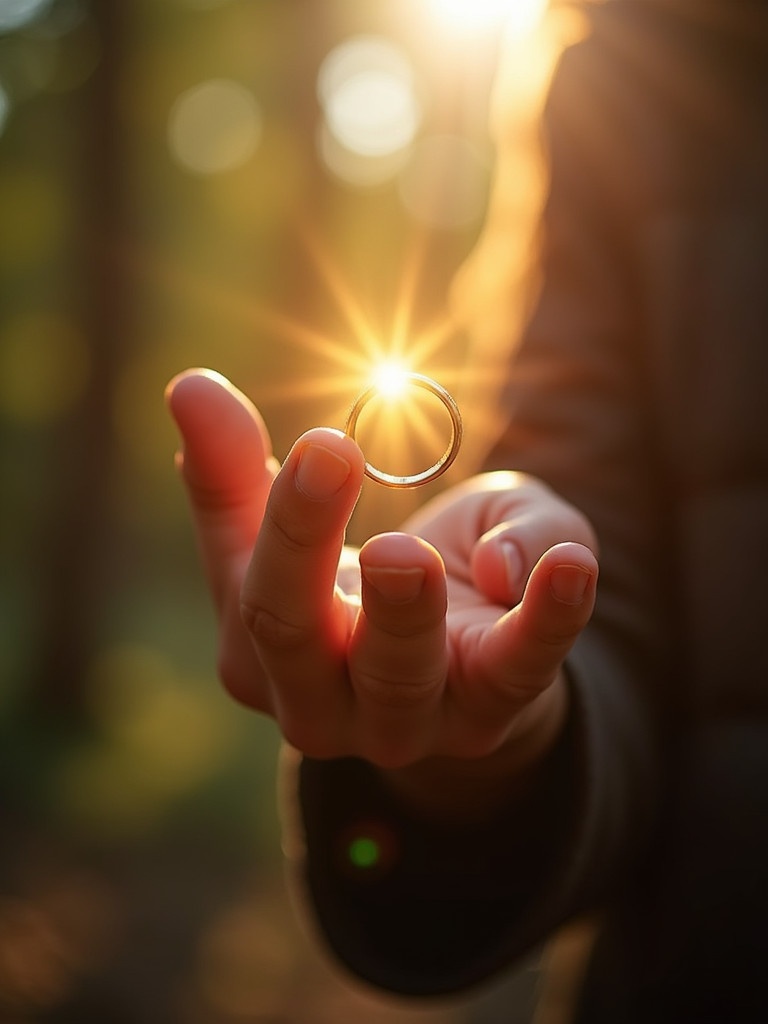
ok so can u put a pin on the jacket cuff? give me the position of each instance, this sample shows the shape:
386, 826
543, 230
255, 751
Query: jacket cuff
418, 908
423, 909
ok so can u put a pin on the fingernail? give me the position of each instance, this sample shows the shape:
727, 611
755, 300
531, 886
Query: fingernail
398, 585
321, 473
513, 562
569, 583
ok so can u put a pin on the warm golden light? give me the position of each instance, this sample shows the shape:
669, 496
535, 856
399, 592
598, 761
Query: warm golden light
463, 172
391, 379
518, 16
371, 110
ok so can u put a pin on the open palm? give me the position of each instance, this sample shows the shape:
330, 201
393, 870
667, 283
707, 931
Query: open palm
454, 645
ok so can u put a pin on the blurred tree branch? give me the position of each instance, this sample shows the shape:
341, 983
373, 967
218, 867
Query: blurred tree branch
80, 532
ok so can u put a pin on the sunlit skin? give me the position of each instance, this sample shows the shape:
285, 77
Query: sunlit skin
441, 658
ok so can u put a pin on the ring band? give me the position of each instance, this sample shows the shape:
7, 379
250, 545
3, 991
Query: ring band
438, 468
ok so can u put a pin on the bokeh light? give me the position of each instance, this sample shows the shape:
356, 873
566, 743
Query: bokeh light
353, 168
214, 127
364, 852
34, 970
371, 108
15, 14
244, 963
50, 939
61, 18
29, 66
373, 113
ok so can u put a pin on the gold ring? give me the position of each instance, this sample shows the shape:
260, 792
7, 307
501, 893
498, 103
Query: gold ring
438, 468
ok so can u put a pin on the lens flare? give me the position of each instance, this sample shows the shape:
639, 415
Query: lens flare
391, 379
214, 127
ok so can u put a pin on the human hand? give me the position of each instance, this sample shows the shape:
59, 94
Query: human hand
454, 648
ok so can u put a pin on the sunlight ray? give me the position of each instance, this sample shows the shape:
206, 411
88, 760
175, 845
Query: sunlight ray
351, 361
422, 426
405, 300
236, 307
331, 386
348, 306
430, 340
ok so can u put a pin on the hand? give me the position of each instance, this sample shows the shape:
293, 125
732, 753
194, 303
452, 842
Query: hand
453, 649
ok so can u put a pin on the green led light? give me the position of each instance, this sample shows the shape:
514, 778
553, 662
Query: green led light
364, 852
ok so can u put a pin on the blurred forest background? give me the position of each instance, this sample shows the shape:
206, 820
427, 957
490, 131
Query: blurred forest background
280, 189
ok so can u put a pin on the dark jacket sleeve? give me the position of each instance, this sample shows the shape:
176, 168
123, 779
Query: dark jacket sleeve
433, 910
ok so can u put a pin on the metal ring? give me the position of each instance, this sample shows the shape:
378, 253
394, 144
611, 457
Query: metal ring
445, 460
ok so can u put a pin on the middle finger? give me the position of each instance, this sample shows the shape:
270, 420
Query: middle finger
398, 656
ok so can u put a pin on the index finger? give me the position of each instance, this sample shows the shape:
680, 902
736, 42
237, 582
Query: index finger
298, 622
227, 466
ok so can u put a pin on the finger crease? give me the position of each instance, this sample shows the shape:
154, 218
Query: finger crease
270, 630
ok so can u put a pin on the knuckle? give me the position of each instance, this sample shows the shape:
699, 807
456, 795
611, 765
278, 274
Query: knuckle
271, 630
294, 530
396, 693
210, 498
407, 626
405, 623
294, 533
559, 635
518, 689
560, 638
